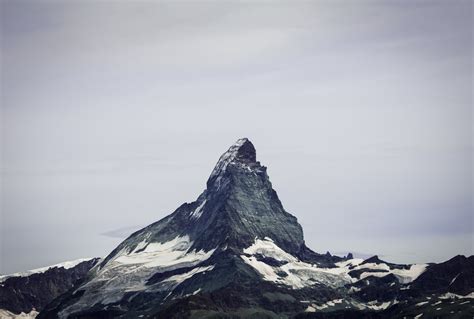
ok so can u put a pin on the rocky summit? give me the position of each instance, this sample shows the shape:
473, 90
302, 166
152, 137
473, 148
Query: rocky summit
236, 253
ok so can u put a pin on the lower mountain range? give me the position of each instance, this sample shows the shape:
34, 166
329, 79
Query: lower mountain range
235, 252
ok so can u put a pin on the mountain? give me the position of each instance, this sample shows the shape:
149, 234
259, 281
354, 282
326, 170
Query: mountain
30, 291
236, 253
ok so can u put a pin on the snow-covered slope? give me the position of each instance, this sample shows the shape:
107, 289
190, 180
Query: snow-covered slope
288, 269
297, 274
65, 265
129, 271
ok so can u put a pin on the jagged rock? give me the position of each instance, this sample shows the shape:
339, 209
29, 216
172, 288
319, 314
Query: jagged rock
27, 292
455, 276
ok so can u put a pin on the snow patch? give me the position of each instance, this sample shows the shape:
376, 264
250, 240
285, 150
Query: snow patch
450, 295
375, 305
5, 314
177, 279
268, 248
404, 276
166, 254
421, 303
354, 289
198, 211
310, 309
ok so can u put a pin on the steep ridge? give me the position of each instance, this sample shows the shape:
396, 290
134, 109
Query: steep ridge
234, 252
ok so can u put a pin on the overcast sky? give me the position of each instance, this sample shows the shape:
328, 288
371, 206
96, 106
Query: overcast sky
114, 114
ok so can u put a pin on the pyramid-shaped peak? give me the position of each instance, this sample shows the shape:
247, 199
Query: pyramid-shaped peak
241, 152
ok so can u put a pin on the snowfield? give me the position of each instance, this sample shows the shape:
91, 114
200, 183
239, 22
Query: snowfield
404, 276
169, 254
130, 269
298, 274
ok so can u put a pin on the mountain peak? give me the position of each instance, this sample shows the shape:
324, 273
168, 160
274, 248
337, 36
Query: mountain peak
241, 152
244, 151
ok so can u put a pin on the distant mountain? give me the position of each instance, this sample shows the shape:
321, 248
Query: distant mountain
236, 253
22, 295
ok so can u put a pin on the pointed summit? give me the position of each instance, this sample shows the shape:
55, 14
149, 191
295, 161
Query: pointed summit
245, 151
242, 153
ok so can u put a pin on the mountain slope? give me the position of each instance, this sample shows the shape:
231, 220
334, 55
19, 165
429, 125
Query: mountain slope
234, 252
32, 290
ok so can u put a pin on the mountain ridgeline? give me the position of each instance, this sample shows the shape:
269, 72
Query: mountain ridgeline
236, 253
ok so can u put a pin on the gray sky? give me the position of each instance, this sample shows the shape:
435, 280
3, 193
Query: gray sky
114, 113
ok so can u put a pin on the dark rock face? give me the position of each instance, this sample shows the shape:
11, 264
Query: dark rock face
22, 294
236, 253
455, 275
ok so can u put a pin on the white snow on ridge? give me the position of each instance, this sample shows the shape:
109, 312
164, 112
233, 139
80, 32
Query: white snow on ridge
373, 305
268, 248
350, 262
177, 279
450, 295
310, 309
173, 252
65, 265
130, 270
298, 274
373, 266
404, 276
227, 158
5, 314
